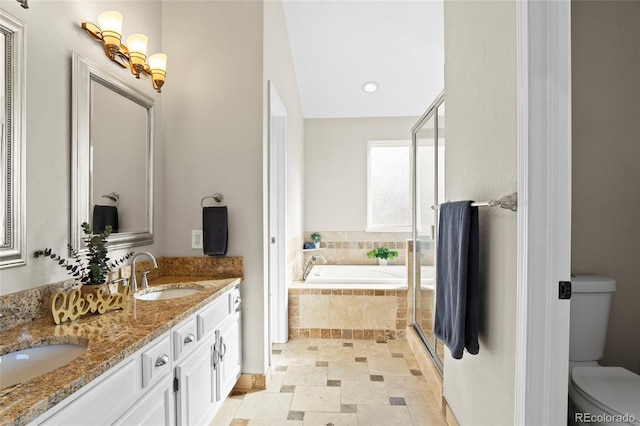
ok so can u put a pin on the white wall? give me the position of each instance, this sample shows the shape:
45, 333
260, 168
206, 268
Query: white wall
335, 168
606, 151
53, 32
480, 81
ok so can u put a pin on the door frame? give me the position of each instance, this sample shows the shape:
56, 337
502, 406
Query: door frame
277, 206
543, 53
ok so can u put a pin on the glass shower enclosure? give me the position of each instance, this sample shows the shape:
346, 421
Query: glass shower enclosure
428, 154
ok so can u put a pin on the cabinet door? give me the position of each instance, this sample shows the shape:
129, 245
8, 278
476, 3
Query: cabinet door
229, 347
196, 394
155, 408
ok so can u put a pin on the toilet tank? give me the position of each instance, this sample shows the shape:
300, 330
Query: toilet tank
590, 303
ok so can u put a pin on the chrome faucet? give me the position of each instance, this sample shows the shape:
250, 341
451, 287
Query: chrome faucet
134, 284
310, 263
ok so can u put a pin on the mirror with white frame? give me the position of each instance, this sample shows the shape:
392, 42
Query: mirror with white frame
12, 142
112, 157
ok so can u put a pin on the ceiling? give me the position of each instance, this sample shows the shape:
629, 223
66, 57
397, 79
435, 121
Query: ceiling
338, 45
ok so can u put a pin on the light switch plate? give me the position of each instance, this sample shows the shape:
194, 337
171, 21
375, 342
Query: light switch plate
196, 239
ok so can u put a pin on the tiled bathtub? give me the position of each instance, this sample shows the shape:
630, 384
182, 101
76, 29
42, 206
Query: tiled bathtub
343, 308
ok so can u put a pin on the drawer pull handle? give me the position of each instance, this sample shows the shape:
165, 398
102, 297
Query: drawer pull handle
190, 338
162, 360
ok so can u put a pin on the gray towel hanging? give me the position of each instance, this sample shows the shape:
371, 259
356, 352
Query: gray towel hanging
458, 278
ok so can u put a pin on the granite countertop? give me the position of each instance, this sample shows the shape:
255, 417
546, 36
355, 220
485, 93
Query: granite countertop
110, 338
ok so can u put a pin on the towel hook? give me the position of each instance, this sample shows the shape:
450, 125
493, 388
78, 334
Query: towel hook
217, 197
113, 196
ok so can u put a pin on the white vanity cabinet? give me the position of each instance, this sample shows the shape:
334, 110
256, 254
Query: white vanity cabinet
110, 395
206, 376
182, 377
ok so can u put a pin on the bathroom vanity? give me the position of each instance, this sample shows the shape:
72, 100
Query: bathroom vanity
156, 362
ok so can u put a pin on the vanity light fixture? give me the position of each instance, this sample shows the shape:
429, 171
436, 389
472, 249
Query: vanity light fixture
370, 86
133, 55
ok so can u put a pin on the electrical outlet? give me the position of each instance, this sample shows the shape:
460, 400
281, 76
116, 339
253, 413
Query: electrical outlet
196, 239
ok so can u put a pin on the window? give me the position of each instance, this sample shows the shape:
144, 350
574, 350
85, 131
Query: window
388, 186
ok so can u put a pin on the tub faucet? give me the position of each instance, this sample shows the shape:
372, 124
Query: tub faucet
310, 263
134, 284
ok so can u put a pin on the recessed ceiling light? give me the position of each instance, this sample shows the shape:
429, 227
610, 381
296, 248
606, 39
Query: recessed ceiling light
370, 86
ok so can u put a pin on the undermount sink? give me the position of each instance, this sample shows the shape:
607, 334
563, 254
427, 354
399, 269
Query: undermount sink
166, 293
25, 364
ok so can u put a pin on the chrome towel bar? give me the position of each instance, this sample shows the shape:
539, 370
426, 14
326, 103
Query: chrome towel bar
509, 202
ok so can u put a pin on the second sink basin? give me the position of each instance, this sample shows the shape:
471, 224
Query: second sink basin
20, 366
166, 293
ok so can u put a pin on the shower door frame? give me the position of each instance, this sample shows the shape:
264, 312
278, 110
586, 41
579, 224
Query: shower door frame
432, 111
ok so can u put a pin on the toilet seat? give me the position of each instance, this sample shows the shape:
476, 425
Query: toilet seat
615, 390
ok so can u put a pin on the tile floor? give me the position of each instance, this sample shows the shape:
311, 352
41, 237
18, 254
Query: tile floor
336, 383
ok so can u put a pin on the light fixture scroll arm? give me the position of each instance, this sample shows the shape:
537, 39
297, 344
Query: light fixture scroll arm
93, 30
119, 57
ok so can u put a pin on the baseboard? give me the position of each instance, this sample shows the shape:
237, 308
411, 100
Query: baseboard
448, 414
251, 382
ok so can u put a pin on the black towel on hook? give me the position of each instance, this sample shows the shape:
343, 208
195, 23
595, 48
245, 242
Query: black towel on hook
215, 230
103, 216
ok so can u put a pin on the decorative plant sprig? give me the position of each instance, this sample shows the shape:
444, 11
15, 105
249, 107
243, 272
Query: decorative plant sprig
382, 253
315, 237
94, 267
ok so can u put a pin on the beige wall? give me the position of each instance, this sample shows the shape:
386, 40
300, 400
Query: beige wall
48, 121
336, 168
215, 125
606, 153
480, 83
213, 133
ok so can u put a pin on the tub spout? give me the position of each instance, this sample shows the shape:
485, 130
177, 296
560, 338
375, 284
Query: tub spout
310, 263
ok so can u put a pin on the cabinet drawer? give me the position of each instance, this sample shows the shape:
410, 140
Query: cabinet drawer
210, 317
100, 404
156, 361
184, 338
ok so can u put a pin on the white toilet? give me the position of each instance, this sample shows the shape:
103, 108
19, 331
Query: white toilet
598, 395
